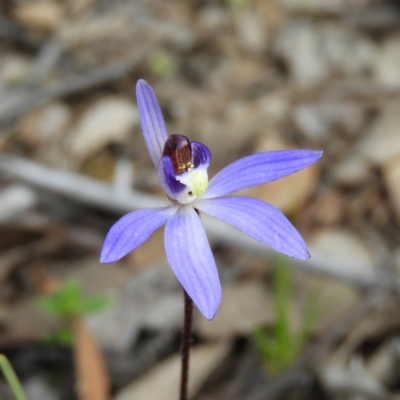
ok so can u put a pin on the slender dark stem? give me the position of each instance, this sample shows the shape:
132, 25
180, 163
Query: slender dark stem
186, 342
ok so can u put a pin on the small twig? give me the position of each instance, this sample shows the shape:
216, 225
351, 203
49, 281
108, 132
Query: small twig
47, 58
86, 81
97, 194
186, 342
75, 186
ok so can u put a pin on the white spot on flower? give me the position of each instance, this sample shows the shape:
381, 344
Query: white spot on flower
196, 181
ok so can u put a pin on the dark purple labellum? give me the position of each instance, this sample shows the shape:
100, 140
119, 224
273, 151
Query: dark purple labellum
179, 149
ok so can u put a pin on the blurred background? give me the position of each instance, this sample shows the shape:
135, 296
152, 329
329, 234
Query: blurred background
241, 76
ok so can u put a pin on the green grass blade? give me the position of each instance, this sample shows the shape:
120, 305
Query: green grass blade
12, 378
282, 295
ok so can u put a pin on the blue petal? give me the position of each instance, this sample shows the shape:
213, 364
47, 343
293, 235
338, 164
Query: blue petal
259, 168
151, 119
190, 257
166, 177
132, 230
258, 219
201, 155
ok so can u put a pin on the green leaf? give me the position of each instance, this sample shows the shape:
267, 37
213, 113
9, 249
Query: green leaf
48, 305
68, 301
279, 345
63, 337
94, 305
161, 64
65, 302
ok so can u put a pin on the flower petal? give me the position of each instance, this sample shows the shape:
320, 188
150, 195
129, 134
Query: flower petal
190, 257
259, 168
258, 219
152, 121
201, 155
132, 230
166, 176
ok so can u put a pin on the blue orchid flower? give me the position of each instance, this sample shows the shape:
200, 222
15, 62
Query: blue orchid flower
182, 172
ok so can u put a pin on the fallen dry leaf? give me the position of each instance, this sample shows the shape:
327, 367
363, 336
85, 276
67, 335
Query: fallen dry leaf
44, 15
343, 247
109, 120
93, 382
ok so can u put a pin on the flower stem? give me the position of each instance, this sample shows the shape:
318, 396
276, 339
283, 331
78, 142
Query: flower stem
186, 342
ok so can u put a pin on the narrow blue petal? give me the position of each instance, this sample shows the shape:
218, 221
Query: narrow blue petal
201, 155
166, 177
258, 219
151, 119
132, 230
259, 168
190, 257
